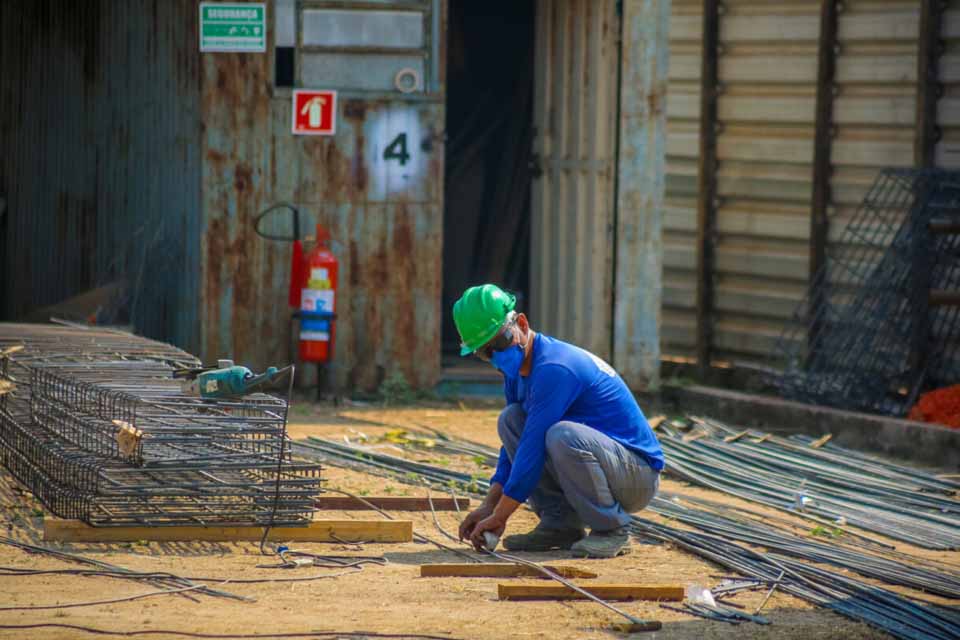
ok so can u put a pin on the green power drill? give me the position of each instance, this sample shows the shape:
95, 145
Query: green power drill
226, 380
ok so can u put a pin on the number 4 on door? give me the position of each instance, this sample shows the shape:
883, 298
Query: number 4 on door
397, 150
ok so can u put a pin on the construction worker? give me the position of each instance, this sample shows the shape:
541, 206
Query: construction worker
574, 441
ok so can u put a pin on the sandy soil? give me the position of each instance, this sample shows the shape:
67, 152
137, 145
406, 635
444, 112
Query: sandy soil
387, 599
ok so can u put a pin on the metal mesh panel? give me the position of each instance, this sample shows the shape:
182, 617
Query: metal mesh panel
866, 336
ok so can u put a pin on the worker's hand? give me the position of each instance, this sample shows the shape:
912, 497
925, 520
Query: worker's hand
493, 523
475, 516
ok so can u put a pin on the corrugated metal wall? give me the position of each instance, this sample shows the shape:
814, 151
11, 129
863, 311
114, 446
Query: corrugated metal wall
678, 320
874, 108
765, 149
573, 198
767, 74
768, 71
99, 164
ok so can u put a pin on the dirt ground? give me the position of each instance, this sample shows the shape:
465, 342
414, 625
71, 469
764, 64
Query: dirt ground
383, 599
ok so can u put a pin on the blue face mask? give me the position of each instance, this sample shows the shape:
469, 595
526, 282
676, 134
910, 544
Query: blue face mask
509, 360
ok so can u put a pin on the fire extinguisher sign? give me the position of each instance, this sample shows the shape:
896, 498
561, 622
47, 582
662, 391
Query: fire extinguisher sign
314, 112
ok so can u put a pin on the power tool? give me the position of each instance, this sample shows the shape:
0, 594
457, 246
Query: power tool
226, 380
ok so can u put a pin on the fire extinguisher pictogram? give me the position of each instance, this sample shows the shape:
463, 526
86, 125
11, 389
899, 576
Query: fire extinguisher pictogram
318, 301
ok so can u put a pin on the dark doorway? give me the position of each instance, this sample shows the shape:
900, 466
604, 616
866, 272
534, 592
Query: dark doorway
486, 235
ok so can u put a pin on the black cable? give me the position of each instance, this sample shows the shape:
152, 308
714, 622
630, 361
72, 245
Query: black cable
283, 445
191, 634
269, 236
92, 573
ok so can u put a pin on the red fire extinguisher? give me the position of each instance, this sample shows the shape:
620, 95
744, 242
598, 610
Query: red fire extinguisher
318, 299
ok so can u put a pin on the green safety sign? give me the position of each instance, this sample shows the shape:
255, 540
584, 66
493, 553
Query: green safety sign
233, 26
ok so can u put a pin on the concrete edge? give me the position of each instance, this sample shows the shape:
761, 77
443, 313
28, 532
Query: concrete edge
918, 443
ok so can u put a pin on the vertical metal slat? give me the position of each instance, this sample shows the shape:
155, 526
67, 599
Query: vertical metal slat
707, 180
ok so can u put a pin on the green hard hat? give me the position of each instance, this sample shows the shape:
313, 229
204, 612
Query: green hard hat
479, 314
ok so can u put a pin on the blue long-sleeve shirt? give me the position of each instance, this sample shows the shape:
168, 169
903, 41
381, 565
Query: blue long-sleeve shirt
569, 383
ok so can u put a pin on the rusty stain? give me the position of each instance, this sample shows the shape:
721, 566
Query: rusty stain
242, 177
656, 99
354, 109
355, 263
216, 160
359, 165
405, 279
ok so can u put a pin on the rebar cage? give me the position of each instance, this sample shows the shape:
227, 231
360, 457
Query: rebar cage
880, 320
99, 430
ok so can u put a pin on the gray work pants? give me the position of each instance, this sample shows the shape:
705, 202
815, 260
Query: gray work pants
589, 478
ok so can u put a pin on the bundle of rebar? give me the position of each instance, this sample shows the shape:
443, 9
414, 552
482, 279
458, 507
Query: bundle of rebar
881, 319
99, 430
831, 485
765, 548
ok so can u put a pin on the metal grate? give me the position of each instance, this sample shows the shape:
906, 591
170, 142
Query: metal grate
873, 329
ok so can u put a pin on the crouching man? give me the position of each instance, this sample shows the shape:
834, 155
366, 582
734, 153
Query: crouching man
574, 441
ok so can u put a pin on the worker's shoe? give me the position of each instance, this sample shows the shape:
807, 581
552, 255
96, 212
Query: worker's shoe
603, 544
542, 539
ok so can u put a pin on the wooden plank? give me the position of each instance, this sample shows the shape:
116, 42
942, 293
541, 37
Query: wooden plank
498, 570
390, 503
540, 591
735, 437
942, 297
707, 180
57, 530
928, 87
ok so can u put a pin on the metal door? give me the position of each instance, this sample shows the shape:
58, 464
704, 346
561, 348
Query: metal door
575, 109
377, 184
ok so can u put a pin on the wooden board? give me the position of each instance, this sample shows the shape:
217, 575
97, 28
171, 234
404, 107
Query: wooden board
541, 591
55, 529
390, 503
497, 570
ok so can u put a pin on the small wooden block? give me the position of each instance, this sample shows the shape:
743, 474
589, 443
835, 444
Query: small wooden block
819, 442
9, 351
690, 437
57, 530
390, 503
539, 591
656, 421
735, 437
497, 570
128, 437
762, 438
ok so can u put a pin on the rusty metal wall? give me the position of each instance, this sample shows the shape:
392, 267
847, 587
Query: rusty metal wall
99, 157
386, 224
948, 107
573, 198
